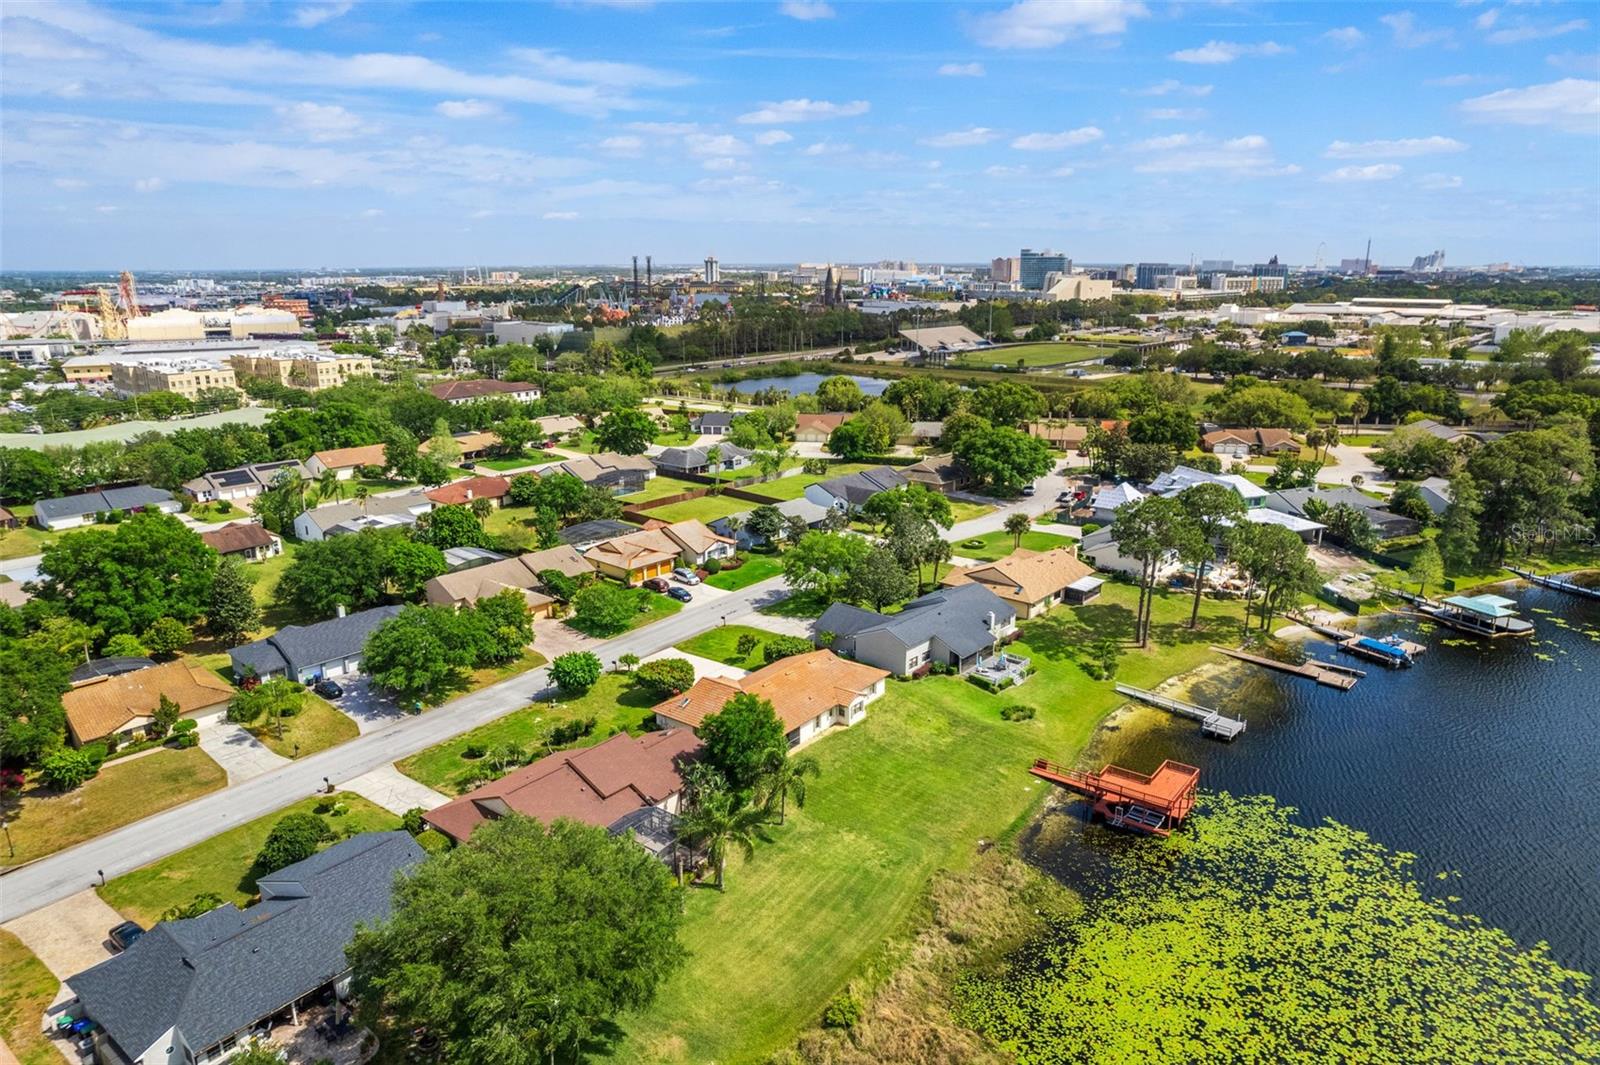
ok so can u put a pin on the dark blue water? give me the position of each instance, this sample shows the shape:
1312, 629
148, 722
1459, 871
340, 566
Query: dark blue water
795, 384
1483, 760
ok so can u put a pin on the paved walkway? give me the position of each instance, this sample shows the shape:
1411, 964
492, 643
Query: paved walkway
68, 936
703, 667
394, 791
238, 752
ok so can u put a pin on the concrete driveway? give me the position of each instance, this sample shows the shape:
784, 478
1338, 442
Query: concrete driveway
370, 709
552, 638
394, 791
238, 752
703, 667
1345, 461
68, 936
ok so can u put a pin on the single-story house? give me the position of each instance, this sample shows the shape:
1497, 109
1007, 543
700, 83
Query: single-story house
308, 653
1102, 550
8, 520
198, 989
1453, 433
815, 428
597, 785
465, 587
378, 512
1059, 435
714, 423
697, 459
1308, 530
656, 551
243, 539
556, 426
472, 445
108, 667
810, 513
617, 474
71, 512
456, 393
1181, 478
956, 627
585, 534
939, 473
1242, 443
922, 433
853, 489
345, 461
1030, 581
1387, 522
1108, 497
810, 694
1435, 492
463, 492
125, 703
242, 482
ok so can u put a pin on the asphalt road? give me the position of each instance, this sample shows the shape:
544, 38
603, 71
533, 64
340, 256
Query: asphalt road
54, 878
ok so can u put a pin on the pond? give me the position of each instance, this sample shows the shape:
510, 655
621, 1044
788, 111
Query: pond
796, 384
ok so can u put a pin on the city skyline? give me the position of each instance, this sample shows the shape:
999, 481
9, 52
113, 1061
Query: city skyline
237, 135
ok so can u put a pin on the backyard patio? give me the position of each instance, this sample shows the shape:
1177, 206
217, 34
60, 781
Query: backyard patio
1000, 668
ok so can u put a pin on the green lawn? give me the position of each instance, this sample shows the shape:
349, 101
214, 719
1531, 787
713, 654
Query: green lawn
514, 525
962, 511
784, 488
28, 539
123, 792
798, 605
706, 508
653, 606
909, 791
999, 544
511, 462
1363, 439
722, 645
222, 864
221, 510
481, 678
265, 576
659, 487
757, 567
1047, 354
614, 703
26, 990
316, 728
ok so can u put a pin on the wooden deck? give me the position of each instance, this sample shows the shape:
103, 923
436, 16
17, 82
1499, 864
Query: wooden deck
1212, 723
1560, 584
1153, 803
1331, 676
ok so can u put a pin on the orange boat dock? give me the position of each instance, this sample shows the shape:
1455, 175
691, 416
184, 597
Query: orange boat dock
1154, 803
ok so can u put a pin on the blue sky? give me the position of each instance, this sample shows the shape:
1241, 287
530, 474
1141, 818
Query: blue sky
327, 134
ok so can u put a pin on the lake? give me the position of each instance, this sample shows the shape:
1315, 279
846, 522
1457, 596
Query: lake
1482, 759
795, 384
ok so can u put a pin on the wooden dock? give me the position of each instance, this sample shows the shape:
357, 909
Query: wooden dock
1325, 673
1153, 803
1350, 642
1557, 583
1212, 723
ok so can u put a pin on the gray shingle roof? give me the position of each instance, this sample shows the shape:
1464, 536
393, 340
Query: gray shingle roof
723, 418
856, 488
690, 458
297, 647
213, 975
957, 616
139, 495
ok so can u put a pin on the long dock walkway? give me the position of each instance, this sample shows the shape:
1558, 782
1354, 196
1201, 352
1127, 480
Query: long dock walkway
1342, 677
1212, 723
1390, 651
1558, 583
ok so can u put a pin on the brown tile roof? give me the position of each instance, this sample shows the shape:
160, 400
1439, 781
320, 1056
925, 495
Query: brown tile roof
107, 704
475, 389
1256, 438
465, 491
827, 422
467, 442
694, 535
1060, 435
522, 572
800, 688
237, 536
341, 458
1025, 576
595, 785
634, 550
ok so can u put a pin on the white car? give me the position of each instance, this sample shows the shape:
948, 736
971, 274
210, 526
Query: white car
685, 576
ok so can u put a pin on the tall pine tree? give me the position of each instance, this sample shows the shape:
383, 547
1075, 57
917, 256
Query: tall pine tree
233, 613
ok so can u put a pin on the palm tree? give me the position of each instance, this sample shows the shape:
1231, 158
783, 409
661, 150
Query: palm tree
329, 486
781, 776
717, 824
734, 523
1018, 524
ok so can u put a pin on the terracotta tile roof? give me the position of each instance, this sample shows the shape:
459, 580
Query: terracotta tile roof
826, 422
467, 442
237, 536
465, 491
106, 704
595, 785
1025, 576
800, 688
341, 458
475, 389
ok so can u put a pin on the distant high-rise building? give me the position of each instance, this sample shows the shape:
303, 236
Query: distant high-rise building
1270, 268
1215, 265
1145, 274
1006, 269
713, 273
1032, 266
1428, 264
1352, 266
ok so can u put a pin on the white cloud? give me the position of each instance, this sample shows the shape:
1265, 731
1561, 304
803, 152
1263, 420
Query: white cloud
1580, 62
1050, 142
663, 129
1571, 104
149, 184
1186, 153
551, 64
961, 138
1405, 148
468, 108
1214, 52
774, 136
1170, 114
961, 70
1172, 85
320, 122
372, 212
1534, 31
1005, 171
721, 163
706, 145
1406, 33
802, 110
807, 10
1167, 143
70, 183
826, 148
1047, 23
559, 216
307, 16
1375, 172
1437, 182
624, 145
1345, 37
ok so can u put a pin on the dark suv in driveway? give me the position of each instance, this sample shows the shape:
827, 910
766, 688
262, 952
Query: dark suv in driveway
125, 935
656, 584
327, 689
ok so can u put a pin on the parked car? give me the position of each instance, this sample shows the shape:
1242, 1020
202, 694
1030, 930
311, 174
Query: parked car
547, 445
469, 465
1028, 490
125, 934
680, 594
327, 689
656, 584
685, 575
1066, 497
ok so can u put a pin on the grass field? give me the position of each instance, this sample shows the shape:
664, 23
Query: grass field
614, 702
123, 792
706, 508
756, 568
722, 645
784, 488
265, 576
28, 539
653, 607
222, 865
999, 544
659, 487
26, 991
962, 511
512, 462
219, 511
315, 728
910, 790
480, 678
1047, 354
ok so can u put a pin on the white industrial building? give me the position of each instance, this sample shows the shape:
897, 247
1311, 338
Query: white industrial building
238, 324
528, 332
